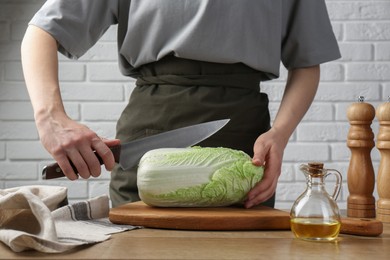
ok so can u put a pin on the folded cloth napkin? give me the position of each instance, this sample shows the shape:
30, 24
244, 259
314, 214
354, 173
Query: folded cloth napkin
38, 217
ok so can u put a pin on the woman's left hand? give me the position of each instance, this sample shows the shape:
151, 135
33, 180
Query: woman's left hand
268, 151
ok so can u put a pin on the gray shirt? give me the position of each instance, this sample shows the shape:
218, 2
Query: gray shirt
258, 33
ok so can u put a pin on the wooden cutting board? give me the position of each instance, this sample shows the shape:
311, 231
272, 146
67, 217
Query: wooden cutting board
224, 218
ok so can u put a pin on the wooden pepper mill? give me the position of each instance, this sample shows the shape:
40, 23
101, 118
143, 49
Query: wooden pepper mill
383, 145
361, 177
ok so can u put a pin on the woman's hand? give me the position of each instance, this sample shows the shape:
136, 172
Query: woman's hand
268, 151
67, 140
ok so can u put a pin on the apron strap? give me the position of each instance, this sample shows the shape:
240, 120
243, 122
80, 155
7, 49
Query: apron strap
171, 70
248, 81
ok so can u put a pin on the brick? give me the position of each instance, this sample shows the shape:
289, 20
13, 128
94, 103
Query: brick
105, 72
340, 152
102, 111
356, 51
332, 72
18, 171
5, 31
16, 10
71, 71
296, 152
23, 111
72, 110
18, 131
345, 91
382, 51
16, 111
18, 29
368, 71
386, 92
372, 31
322, 132
2, 150
358, 10
26, 150
9, 52
11, 91
319, 112
92, 92
13, 71
287, 173
290, 191
341, 110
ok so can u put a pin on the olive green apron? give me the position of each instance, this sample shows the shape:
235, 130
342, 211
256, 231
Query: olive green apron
173, 93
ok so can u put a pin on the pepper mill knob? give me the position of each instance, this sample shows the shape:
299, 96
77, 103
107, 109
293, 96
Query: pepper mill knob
383, 145
361, 177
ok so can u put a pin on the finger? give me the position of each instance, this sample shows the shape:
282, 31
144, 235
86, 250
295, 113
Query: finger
260, 188
259, 155
64, 164
91, 161
267, 186
262, 196
80, 164
110, 142
103, 150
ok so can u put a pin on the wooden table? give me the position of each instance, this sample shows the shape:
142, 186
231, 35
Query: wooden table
174, 244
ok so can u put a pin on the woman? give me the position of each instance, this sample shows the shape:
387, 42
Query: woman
194, 61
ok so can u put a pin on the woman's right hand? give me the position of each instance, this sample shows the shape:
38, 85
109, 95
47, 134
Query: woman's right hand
67, 140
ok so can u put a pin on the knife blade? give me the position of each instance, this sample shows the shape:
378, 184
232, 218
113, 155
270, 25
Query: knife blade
128, 154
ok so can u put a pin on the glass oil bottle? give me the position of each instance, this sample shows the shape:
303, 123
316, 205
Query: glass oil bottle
315, 215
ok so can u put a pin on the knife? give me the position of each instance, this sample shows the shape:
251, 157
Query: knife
128, 154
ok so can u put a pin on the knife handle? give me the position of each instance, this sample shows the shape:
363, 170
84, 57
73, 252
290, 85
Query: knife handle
54, 171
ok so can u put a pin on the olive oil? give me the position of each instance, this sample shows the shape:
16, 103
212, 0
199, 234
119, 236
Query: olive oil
315, 229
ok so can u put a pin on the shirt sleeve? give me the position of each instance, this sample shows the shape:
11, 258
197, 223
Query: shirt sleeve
308, 38
76, 24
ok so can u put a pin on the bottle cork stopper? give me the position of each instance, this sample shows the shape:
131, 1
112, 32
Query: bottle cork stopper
316, 168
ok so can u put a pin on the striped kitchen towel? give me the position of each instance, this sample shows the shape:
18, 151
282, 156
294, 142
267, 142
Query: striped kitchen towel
38, 218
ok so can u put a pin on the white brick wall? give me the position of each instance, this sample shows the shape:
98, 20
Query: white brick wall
95, 93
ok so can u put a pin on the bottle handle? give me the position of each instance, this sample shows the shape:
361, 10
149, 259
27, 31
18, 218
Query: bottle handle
338, 184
